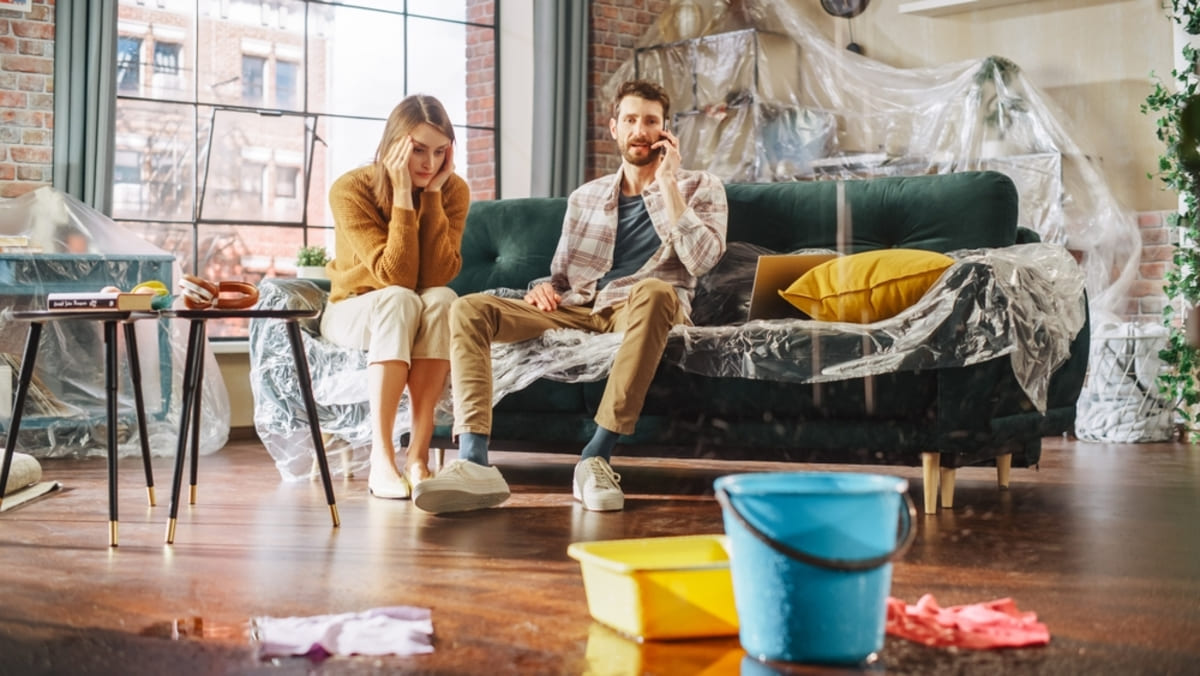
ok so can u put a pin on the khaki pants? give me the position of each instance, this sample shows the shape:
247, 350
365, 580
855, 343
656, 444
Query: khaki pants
393, 323
478, 320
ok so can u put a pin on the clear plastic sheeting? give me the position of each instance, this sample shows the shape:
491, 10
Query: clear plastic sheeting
53, 242
1023, 301
759, 94
339, 378
1121, 402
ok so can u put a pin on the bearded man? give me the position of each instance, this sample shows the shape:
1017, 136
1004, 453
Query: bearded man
632, 245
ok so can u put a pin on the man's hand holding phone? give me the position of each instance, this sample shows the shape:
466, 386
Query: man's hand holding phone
669, 159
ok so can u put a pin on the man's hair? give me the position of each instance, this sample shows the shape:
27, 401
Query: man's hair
645, 89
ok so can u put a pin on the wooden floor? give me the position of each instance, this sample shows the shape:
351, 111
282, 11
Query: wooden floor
1103, 543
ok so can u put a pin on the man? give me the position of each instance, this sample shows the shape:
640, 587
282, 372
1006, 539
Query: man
633, 244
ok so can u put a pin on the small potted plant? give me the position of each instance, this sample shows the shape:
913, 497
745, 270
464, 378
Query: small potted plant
310, 262
1003, 106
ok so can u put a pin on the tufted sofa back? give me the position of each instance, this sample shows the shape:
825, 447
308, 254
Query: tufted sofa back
509, 242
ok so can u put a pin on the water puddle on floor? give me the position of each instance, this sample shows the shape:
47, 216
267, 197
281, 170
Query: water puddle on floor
193, 628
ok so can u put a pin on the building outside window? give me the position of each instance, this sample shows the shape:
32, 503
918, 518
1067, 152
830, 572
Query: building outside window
129, 65
259, 105
286, 179
166, 58
286, 94
253, 68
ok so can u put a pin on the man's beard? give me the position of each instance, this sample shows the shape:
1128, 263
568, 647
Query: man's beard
628, 154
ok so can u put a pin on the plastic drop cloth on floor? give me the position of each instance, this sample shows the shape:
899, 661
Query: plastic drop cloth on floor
760, 94
68, 246
1024, 301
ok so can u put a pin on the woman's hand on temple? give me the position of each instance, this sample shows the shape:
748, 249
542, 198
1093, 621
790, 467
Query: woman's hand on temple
439, 179
396, 163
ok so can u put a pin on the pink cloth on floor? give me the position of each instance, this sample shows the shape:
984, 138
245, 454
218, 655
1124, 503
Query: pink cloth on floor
995, 624
395, 630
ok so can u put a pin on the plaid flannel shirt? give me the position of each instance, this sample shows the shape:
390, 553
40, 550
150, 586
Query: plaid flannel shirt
690, 246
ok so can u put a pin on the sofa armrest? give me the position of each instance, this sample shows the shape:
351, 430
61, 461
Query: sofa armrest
1027, 235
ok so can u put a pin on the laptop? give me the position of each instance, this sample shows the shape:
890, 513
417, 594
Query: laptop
775, 273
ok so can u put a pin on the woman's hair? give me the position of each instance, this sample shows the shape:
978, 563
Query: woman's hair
642, 89
406, 116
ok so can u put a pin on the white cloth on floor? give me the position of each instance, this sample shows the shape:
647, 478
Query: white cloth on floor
394, 630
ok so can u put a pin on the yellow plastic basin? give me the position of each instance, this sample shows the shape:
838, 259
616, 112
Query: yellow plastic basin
659, 588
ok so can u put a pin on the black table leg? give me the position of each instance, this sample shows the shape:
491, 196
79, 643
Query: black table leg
310, 405
110, 389
135, 372
190, 392
14, 423
199, 377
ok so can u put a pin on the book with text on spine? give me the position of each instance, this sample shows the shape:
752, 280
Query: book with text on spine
102, 300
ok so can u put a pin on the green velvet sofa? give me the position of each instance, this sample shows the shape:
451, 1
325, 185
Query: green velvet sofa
937, 418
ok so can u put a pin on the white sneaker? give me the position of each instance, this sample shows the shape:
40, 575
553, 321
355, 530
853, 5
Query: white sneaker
461, 486
596, 486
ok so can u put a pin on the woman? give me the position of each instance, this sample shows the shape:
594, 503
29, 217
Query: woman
398, 226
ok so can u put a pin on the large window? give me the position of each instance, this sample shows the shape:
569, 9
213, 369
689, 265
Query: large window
257, 106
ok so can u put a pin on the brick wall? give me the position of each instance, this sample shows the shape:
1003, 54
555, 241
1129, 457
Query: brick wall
481, 93
1146, 298
26, 98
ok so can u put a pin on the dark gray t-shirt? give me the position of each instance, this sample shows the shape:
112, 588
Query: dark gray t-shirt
636, 239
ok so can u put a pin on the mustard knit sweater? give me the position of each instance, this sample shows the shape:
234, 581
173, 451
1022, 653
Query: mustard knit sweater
413, 249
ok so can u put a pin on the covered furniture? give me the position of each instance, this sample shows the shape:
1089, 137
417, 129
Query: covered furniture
990, 360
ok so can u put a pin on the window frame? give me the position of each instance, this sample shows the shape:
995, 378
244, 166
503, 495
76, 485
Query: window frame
297, 73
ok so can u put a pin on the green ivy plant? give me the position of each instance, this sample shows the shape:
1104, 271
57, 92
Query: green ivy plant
1178, 127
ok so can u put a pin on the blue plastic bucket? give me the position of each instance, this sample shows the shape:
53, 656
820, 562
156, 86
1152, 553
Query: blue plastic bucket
810, 555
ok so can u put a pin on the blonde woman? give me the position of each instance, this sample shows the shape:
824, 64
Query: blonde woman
398, 224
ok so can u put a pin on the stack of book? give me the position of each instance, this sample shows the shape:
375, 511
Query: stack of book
101, 300
17, 244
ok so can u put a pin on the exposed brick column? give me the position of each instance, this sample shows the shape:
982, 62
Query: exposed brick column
26, 98
481, 99
616, 27
1146, 299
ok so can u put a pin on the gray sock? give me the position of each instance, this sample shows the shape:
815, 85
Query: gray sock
473, 447
601, 445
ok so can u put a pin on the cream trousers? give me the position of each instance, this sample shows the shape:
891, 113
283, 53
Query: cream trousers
393, 323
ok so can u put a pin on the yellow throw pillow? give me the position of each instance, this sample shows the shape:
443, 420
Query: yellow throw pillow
866, 287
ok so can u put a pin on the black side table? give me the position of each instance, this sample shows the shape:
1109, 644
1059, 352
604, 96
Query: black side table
193, 376
110, 319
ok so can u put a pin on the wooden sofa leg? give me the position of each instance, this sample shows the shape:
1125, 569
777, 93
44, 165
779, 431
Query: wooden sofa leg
1003, 467
946, 479
930, 473
437, 458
